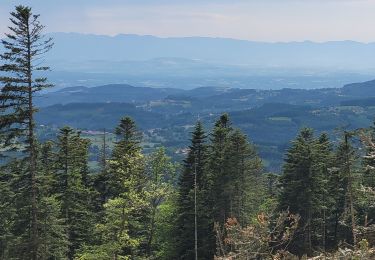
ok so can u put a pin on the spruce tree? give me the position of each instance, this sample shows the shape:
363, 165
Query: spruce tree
71, 189
24, 46
194, 166
127, 181
297, 184
345, 160
244, 184
100, 181
322, 202
219, 168
126, 148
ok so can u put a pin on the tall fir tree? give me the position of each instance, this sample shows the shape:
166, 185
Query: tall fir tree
194, 167
345, 161
297, 188
322, 203
219, 168
127, 180
72, 189
126, 148
245, 182
100, 181
24, 46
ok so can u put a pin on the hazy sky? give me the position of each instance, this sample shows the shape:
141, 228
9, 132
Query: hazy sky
260, 20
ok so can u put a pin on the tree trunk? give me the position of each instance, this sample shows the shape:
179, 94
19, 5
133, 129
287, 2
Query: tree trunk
350, 189
152, 229
32, 154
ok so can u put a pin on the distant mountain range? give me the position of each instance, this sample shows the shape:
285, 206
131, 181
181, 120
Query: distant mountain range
190, 62
77, 48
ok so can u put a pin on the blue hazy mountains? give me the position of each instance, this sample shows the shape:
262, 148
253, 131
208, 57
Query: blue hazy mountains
334, 55
187, 63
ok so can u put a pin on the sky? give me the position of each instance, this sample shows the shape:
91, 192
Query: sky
256, 20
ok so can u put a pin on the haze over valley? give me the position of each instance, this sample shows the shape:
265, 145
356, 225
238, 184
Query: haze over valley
190, 62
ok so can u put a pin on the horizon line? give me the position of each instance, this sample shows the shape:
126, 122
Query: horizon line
212, 37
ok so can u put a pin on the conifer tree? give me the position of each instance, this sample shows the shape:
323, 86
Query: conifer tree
24, 45
322, 163
127, 181
368, 176
194, 164
125, 150
219, 168
297, 184
244, 184
235, 172
100, 181
75, 196
345, 159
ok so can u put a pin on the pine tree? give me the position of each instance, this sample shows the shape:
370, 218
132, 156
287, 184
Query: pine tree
129, 137
219, 168
126, 148
322, 203
23, 47
127, 180
368, 176
121, 233
244, 184
297, 184
101, 180
71, 189
194, 166
52, 226
235, 172
345, 159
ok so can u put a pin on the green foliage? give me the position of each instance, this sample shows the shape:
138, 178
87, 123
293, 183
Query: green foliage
115, 240
160, 192
23, 47
194, 164
54, 240
72, 188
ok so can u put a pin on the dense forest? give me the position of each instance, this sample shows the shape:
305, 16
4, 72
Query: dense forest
219, 203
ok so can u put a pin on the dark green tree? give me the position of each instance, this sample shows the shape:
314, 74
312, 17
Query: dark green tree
219, 168
126, 148
24, 46
72, 190
297, 188
321, 199
345, 200
245, 182
194, 166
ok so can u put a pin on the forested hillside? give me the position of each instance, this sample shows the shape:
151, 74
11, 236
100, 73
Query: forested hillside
220, 202
166, 116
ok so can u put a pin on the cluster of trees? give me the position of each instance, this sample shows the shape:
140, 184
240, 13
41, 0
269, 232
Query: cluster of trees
218, 203
327, 191
221, 178
331, 188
